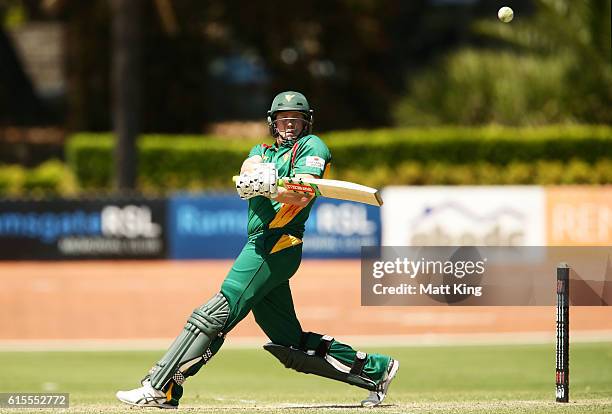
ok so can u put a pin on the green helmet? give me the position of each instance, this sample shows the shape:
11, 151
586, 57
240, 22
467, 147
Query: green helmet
290, 101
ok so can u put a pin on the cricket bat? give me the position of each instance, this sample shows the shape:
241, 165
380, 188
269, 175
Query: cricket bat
341, 190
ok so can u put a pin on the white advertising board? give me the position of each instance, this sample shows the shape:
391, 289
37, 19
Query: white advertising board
476, 216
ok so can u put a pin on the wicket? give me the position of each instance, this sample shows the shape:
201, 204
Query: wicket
562, 352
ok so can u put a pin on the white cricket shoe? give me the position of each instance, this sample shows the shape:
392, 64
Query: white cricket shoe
145, 396
376, 397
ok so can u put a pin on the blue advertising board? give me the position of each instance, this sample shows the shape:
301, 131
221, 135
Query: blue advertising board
208, 226
337, 229
109, 227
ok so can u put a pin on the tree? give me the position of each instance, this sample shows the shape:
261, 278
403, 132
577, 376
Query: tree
126, 87
579, 30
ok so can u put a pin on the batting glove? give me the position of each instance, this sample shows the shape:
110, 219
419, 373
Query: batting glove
261, 182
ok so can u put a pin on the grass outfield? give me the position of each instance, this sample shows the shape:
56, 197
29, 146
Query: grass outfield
462, 379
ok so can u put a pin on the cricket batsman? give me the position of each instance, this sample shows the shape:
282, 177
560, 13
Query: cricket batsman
259, 278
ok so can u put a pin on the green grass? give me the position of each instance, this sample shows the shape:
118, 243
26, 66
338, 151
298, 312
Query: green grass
478, 379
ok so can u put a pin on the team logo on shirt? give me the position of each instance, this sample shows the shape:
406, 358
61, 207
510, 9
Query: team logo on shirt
314, 161
286, 157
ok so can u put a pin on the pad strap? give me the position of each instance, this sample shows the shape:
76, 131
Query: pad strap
360, 360
324, 346
304, 340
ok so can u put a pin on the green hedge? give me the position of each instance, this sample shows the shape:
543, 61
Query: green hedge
50, 178
166, 162
459, 145
482, 173
196, 162
54, 178
90, 157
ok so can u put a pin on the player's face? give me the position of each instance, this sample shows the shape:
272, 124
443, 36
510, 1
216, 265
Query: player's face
290, 124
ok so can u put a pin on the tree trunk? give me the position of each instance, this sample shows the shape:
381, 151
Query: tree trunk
126, 74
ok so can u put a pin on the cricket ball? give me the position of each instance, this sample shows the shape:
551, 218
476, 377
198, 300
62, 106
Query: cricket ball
505, 14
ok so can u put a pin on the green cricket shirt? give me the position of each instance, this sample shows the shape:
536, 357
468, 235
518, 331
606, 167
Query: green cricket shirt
309, 155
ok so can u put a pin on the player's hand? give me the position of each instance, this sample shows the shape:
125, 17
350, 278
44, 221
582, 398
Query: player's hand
261, 182
289, 197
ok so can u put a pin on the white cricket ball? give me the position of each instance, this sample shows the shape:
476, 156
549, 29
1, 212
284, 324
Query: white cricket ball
505, 14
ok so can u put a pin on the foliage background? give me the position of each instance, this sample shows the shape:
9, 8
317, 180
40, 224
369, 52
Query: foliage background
371, 69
